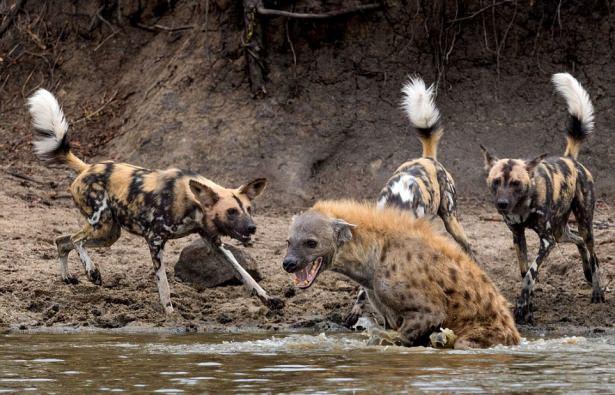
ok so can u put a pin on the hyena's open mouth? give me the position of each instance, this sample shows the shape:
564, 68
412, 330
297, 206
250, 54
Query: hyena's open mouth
305, 277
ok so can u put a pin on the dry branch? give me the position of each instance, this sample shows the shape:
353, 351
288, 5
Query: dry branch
10, 16
322, 15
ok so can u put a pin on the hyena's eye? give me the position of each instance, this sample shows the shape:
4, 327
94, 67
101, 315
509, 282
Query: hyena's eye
232, 212
311, 243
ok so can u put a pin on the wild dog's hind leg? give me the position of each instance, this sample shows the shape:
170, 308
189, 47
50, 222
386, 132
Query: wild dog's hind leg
454, 228
156, 249
523, 313
585, 218
102, 235
65, 246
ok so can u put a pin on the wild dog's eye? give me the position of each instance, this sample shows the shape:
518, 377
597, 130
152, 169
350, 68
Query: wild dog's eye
311, 243
249, 209
496, 182
515, 183
232, 212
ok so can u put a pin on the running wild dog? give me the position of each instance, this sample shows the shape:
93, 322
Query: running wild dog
421, 186
541, 193
419, 280
156, 204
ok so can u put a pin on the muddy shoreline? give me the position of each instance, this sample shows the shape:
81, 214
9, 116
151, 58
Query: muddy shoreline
33, 298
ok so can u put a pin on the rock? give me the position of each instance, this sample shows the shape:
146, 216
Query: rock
204, 267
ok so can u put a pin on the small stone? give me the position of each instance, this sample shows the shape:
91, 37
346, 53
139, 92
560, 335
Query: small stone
203, 266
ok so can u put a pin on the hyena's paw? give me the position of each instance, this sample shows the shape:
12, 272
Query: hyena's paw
445, 338
70, 279
523, 313
351, 319
94, 277
598, 296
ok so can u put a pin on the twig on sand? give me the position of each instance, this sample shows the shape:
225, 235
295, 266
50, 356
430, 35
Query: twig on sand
272, 302
10, 16
157, 27
97, 111
23, 177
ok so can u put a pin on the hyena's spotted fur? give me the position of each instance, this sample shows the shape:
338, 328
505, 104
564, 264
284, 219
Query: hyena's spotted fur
156, 204
422, 187
418, 280
541, 193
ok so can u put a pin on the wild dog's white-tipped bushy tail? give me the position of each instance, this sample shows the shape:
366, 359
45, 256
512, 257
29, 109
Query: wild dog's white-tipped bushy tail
418, 103
580, 109
51, 138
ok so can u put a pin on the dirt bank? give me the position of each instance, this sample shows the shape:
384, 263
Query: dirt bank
33, 297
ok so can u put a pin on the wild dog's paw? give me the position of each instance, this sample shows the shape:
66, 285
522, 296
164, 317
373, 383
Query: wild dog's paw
70, 279
523, 313
351, 319
95, 277
445, 338
598, 296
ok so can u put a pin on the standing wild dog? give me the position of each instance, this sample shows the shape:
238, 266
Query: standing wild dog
418, 280
541, 193
156, 204
421, 186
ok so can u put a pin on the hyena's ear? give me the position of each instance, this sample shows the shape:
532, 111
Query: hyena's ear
253, 188
206, 196
342, 231
489, 158
530, 165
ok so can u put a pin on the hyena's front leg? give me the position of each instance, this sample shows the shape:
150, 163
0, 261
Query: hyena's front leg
156, 249
357, 309
523, 313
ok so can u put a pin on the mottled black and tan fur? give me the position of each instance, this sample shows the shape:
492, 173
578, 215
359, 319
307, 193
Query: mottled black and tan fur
421, 186
156, 204
541, 193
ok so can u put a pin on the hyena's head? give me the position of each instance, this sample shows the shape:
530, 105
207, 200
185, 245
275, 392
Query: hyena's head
509, 180
228, 212
313, 241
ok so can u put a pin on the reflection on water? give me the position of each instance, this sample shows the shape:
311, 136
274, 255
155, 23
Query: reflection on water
88, 362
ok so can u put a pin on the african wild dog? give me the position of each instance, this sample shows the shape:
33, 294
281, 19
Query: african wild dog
421, 186
541, 193
156, 204
419, 280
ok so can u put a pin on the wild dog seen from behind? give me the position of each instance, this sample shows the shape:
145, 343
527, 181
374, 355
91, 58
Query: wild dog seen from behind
156, 204
421, 187
418, 280
541, 193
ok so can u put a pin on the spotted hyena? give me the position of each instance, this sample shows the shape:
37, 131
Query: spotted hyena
156, 204
418, 280
422, 187
541, 193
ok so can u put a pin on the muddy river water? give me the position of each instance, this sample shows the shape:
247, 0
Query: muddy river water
306, 363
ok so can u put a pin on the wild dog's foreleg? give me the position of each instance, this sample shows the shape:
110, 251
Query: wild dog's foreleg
65, 246
156, 249
521, 248
523, 313
357, 309
104, 234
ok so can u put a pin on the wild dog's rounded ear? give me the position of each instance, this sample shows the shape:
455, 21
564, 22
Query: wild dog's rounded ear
530, 165
253, 188
489, 158
342, 230
206, 196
